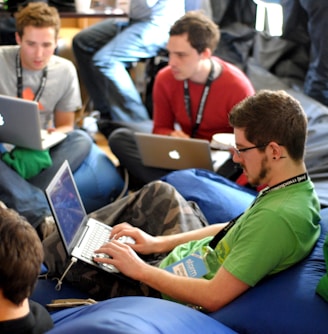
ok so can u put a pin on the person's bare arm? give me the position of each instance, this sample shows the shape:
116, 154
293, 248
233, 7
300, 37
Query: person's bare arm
147, 244
209, 294
64, 121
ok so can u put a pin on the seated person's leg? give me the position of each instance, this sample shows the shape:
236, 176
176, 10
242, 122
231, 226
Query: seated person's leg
170, 213
85, 45
316, 81
23, 197
75, 148
123, 144
123, 100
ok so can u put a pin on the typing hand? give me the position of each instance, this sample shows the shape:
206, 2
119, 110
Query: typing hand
122, 256
144, 243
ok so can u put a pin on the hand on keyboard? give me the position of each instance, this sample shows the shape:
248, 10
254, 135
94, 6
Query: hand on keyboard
126, 240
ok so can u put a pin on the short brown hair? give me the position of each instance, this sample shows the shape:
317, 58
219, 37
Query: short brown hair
272, 116
21, 256
37, 14
201, 30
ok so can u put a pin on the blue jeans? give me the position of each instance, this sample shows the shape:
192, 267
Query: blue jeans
27, 196
103, 52
305, 21
316, 81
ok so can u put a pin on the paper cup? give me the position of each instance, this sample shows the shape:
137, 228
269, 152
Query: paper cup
82, 5
223, 141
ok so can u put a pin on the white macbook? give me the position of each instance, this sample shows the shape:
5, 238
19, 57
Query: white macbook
20, 125
80, 235
173, 153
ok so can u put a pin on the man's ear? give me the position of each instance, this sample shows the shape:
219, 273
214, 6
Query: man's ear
18, 39
207, 53
277, 150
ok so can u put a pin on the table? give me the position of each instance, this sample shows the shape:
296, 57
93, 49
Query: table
96, 11
67, 10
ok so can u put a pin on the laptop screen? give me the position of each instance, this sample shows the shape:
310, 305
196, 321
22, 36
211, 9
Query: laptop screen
66, 205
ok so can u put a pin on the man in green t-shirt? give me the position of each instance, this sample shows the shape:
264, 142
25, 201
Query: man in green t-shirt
276, 231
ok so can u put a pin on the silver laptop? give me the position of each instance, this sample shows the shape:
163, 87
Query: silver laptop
20, 125
173, 153
80, 235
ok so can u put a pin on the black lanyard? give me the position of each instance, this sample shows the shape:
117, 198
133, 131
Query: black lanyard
19, 74
297, 179
200, 111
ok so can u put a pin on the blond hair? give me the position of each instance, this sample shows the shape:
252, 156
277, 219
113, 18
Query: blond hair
37, 14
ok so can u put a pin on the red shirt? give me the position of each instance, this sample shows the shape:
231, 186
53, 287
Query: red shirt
231, 87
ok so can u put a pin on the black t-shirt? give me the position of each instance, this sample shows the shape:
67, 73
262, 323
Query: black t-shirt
38, 321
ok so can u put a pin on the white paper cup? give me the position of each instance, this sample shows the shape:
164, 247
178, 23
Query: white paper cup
223, 141
82, 5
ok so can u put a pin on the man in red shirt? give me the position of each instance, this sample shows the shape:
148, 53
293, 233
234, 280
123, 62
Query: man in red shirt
196, 91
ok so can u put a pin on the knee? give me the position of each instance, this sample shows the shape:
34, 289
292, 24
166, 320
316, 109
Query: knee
80, 42
81, 138
82, 135
119, 138
107, 56
160, 187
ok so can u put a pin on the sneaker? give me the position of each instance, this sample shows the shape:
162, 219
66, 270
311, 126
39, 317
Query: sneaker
47, 227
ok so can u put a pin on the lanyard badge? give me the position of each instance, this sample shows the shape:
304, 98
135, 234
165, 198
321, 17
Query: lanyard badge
197, 264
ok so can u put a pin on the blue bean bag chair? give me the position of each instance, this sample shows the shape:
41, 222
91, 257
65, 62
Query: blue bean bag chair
97, 180
126, 315
219, 198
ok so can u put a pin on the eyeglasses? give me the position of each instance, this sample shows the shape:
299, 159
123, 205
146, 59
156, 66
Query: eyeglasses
239, 151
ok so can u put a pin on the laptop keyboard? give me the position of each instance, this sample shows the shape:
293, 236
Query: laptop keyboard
98, 237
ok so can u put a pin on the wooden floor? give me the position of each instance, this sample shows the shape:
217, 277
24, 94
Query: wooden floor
102, 143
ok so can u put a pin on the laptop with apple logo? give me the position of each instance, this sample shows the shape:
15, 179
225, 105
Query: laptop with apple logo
20, 125
173, 153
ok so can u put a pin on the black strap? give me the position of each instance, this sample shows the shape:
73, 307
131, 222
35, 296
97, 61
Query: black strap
19, 74
223, 232
297, 179
202, 102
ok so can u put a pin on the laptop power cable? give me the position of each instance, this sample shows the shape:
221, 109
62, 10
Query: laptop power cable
60, 280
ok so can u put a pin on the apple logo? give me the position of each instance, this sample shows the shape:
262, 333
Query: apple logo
2, 122
174, 155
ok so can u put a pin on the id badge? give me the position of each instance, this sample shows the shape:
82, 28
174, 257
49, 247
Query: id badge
196, 265
191, 266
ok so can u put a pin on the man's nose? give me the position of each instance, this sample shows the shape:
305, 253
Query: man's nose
172, 60
38, 51
235, 156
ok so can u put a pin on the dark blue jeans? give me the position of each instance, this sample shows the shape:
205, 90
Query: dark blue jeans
103, 52
305, 21
27, 196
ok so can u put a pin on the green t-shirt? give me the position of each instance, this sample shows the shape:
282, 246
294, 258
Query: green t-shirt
279, 230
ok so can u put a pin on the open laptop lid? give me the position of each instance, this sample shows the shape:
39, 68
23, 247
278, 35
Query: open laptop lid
173, 153
20, 124
67, 207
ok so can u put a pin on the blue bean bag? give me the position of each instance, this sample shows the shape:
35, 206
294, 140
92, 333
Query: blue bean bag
136, 315
219, 198
97, 180
45, 291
